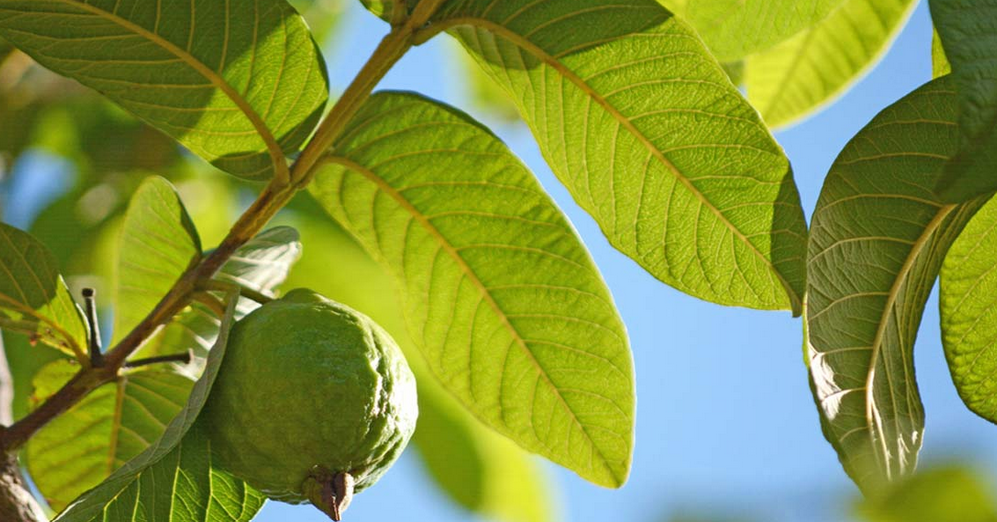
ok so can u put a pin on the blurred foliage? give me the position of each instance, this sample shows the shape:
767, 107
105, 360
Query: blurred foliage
941, 494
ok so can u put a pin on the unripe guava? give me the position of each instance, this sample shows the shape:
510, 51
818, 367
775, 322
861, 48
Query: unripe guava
312, 399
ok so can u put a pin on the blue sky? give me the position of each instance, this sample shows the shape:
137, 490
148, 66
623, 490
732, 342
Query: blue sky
725, 420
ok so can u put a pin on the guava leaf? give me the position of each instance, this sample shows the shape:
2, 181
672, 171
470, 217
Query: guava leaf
968, 31
158, 244
240, 83
733, 29
34, 299
645, 129
941, 494
113, 424
501, 296
148, 487
808, 71
969, 319
476, 467
877, 242
940, 65
261, 264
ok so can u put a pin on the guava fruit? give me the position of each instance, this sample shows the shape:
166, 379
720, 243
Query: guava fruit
313, 401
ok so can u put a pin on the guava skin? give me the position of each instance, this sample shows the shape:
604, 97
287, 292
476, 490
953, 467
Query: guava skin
309, 382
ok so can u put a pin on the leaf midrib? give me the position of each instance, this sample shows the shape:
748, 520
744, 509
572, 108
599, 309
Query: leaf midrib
547, 58
898, 285
486, 295
273, 148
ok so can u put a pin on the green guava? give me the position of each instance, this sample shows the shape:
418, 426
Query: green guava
312, 402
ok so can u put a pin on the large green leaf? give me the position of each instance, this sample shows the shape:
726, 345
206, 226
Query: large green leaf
798, 76
643, 126
968, 31
34, 299
239, 82
969, 318
877, 242
941, 494
501, 296
158, 244
116, 422
736, 28
148, 488
479, 469
261, 265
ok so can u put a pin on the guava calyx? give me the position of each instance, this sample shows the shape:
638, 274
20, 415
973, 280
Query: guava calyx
330, 492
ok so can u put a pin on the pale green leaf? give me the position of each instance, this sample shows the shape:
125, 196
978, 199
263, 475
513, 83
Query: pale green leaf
239, 82
479, 469
113, 424
968, 32
969, 318
158, 244
940, 65
733, 29
500, 294
877, 242
808, 71
261, 264
941, 494
146, 488
34, 299
643, 126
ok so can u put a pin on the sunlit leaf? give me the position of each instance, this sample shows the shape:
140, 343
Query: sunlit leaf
877, 242
240, 83
733, 29
939, 494
645, 129
811, 69
113, 424
968, 31
147, 488
969, 317
478, 468
940, 65
34, 299
500, 294
158, 244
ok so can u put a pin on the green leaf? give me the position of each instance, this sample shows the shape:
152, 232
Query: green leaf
969, 319
877, 242
540, 354
968, 31
240, 82
733, 29
643, 126
116, 422
808, 71
940, 65
34, 299
479, 469
158, 244
940, 494
147, 488
261, 265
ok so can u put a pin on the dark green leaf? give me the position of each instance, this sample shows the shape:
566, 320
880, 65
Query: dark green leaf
240, 82
877, 242
83, 446
969, 318
643, 126
158, 244
811, 69
34, 299
147, 488
540, 354
968, 31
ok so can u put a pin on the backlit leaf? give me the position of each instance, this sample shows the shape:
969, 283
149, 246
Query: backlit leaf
877, 242
500, 294
239, 82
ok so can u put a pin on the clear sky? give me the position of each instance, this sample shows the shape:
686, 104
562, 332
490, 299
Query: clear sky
725, 420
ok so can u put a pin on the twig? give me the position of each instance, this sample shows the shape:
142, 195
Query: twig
93, 340
184, 358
